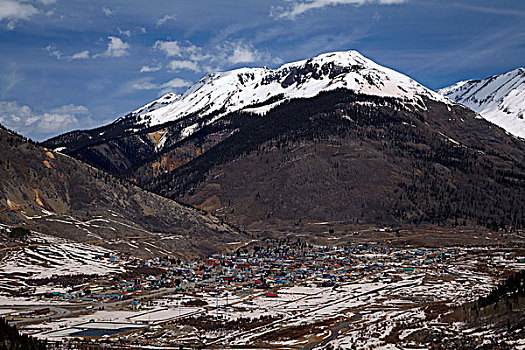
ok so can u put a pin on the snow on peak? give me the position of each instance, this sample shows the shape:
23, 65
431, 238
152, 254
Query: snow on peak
235, 90
500, 99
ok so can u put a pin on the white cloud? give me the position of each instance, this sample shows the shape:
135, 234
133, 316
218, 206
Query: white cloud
148, 69
82, 55
185, 50
235, 52
174, 83
243, 53
195, 53
53, 51
177, 65
169, 48
191, 57
16, 10
13, 11
107, 11
165, 19
116, 48
298, 7
164, 88
40, 126
124, 32
70, 109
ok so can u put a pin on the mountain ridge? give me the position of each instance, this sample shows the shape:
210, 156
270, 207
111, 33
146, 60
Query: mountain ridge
304, 78
166, 122
499, 98
55, 194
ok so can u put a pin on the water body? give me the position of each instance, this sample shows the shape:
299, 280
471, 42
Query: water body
96, 332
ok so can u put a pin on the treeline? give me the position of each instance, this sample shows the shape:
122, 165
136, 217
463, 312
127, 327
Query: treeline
501, 309
512, 288
15, 137
11, 339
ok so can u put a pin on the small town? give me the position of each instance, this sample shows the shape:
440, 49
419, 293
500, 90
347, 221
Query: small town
282, 293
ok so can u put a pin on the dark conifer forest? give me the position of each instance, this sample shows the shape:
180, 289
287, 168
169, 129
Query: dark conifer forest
11, 339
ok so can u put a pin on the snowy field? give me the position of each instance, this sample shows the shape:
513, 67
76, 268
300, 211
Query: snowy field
361, 309
48, 257
362, 312
106, 319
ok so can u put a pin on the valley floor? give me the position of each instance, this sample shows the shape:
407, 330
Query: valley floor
274, 293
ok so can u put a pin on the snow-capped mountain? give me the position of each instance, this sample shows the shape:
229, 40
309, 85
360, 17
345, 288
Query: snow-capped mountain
500, 99
173, 118
235, 90
333, 138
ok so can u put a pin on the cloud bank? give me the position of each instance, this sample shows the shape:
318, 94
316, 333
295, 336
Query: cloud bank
40, 126
164, 88
197, 59
13, 11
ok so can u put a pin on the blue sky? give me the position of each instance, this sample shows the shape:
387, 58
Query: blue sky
68, 64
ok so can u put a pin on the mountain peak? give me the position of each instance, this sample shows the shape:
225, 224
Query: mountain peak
235, 90
338, 57
500, 99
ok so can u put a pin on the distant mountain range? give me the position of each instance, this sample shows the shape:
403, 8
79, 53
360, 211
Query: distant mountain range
500, 99
335, 138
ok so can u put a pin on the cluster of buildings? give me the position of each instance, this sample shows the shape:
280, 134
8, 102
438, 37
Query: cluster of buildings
274, 264
284, 263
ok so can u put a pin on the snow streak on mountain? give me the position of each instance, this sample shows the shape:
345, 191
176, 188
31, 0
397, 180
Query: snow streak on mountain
500, 99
